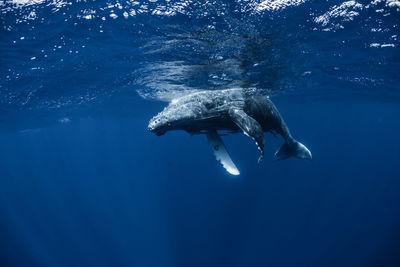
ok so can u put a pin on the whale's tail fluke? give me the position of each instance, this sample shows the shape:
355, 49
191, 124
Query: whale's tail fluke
293, 149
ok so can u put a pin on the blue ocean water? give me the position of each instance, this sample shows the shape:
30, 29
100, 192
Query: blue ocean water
84, 183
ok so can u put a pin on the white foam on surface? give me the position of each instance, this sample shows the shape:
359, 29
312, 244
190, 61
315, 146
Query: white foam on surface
387, 45
347, 11
25, 2
273, 5
389, 3
378, 45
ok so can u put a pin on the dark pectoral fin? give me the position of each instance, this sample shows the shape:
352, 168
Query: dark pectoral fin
250, 127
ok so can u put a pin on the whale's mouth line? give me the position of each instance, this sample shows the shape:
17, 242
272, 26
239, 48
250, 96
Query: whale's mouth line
162, 128
158, 131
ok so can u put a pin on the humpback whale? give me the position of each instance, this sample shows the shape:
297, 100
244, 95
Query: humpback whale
228, 111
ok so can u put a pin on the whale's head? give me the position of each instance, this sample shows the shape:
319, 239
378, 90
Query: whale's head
173, 117
159, 124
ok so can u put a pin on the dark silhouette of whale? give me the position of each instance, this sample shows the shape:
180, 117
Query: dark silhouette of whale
228, 110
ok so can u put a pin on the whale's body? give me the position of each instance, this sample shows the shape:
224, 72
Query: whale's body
229, 110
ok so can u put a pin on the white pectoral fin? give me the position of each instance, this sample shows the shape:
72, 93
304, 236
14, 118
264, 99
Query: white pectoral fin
220, 152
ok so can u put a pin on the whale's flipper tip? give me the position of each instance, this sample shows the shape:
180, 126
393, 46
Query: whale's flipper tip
294, 149
233, 171
220, 152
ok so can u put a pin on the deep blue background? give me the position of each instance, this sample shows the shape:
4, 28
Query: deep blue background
83, 183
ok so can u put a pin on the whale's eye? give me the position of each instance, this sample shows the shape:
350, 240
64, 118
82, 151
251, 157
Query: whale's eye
208, 105
216, 147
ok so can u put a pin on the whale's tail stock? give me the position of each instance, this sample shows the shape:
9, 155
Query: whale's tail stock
293, 148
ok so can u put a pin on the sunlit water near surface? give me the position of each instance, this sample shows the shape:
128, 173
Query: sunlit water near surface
84, 183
